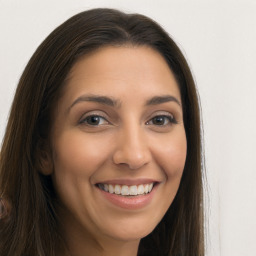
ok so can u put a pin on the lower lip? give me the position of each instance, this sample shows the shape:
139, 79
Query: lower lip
131, 203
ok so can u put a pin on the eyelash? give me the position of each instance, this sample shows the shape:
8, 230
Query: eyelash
85, 120
168, 120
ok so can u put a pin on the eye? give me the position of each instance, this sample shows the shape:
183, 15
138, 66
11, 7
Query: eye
94, 120
162, 120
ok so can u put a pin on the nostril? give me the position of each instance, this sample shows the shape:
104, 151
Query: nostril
133, 159
131, 164
135, 166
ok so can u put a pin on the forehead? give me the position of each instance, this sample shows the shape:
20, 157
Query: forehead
116, 70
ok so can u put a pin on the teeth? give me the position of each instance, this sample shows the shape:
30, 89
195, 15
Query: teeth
117, 189
110, 189
146, 188
140, 189
125, 190
106, 187
133, 190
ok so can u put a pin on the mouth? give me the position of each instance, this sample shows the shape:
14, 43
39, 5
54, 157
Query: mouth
128, 194
127, 190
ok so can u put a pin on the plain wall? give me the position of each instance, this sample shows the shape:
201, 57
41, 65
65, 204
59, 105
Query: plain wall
218, 38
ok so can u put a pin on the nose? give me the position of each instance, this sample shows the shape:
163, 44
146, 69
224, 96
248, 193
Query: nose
132, 149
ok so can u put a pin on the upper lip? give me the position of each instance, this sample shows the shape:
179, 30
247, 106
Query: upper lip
128, 182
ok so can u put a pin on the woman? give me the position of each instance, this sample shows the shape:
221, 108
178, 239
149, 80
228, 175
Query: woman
102, 151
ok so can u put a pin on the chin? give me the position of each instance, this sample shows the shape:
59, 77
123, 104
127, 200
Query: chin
131, 231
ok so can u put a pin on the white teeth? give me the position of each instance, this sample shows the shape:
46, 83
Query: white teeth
133, 190
125, 190
140, 189
117, 189
146, 188
110, 189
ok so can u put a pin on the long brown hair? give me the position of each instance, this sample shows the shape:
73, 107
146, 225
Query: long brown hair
30, 225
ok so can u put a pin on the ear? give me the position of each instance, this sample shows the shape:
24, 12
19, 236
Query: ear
44, 159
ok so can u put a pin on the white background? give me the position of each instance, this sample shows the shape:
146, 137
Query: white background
219, 40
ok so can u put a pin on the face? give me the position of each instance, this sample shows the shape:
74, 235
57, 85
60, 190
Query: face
119, 144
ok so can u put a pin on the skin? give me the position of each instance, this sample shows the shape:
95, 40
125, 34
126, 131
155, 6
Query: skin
127, 143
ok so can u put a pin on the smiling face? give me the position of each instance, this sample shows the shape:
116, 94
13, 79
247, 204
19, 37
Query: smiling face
119, 144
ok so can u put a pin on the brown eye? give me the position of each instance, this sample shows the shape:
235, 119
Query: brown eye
159, 120
162, 120
94, 120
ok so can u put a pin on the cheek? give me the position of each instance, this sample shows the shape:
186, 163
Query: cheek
171, 155
77, 157
78, 154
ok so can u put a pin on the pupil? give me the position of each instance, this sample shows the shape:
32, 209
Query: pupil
158, 120
93, 120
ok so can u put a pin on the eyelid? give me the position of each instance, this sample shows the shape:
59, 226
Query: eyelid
161, 113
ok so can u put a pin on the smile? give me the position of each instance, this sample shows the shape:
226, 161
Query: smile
125, 190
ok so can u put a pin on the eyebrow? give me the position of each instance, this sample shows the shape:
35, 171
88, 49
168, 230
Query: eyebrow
97, 98
105, 100
162, 99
